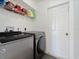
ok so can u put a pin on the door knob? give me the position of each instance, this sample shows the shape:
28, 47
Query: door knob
67, 34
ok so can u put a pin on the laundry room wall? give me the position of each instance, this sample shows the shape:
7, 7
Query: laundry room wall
76, 29
31, 3
11, 19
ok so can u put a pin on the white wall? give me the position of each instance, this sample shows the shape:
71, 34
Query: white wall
31, 3
76, 29
8, 18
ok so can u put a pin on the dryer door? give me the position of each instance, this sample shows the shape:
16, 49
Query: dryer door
41, 45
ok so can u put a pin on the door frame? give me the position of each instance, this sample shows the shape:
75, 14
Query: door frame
54, 6
58, 5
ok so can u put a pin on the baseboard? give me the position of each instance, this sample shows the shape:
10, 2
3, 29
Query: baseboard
53, 56
50, 55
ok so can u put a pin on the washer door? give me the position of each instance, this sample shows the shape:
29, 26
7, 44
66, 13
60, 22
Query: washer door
41, 45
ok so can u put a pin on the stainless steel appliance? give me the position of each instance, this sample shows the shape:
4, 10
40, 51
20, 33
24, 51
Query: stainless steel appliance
40, 42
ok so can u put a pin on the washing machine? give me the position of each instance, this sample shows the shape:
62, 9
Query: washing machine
40, 43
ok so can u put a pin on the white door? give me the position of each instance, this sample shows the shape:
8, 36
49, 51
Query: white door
59, 25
